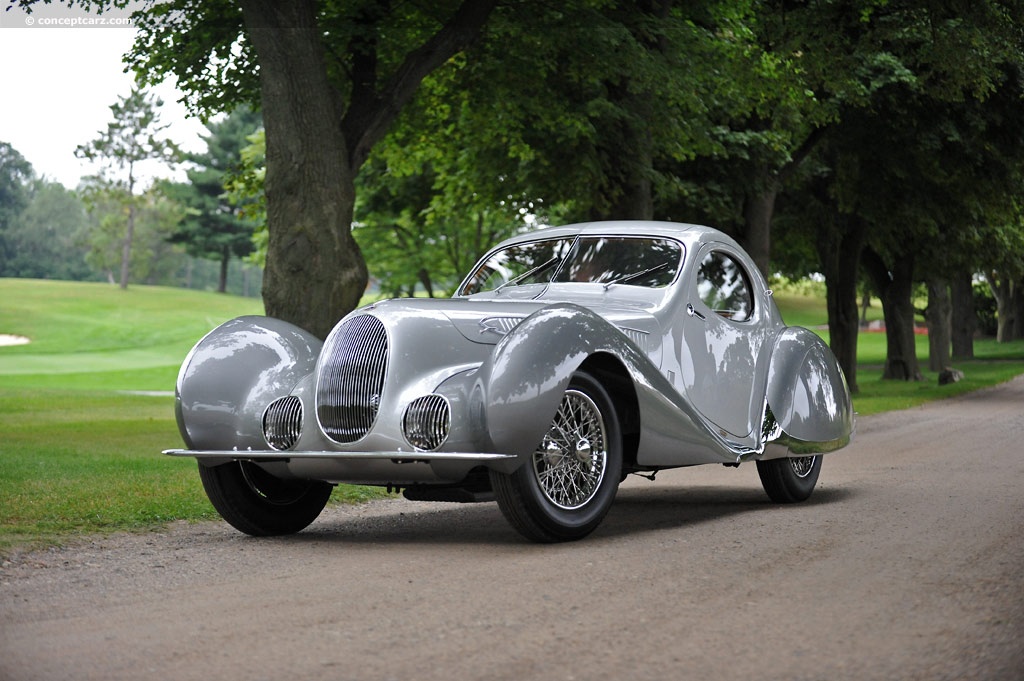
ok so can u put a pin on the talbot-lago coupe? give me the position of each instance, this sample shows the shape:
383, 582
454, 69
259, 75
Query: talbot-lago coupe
568, 358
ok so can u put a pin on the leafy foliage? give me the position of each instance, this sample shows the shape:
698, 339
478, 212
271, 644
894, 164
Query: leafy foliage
133, 136
46, 239
213, 226
15, 175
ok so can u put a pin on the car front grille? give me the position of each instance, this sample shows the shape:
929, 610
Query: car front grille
352, 370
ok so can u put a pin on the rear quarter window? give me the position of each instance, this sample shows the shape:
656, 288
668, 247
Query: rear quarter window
724, 286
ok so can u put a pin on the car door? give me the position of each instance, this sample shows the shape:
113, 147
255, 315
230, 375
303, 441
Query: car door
723, 338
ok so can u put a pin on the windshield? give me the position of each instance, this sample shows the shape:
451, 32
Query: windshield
622, 260
637, 261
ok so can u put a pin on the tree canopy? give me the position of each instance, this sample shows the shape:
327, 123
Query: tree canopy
876, 130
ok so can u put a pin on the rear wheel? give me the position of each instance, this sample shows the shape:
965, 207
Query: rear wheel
567, 487
258, 503
789, 480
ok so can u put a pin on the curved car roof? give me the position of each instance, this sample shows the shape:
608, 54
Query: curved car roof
687, 233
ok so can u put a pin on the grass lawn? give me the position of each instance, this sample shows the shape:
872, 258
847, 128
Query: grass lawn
86, 409
83, 430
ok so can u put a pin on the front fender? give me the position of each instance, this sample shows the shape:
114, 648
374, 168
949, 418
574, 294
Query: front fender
233, 373
807, 391
521, 384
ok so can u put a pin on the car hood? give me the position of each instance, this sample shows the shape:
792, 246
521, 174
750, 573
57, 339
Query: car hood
486, 321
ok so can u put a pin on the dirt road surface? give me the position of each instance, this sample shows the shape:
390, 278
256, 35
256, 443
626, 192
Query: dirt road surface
907, 563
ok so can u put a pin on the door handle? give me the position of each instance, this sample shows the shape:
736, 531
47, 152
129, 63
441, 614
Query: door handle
693, 313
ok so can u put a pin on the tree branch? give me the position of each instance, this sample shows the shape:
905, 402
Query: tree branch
801, 153
368, 119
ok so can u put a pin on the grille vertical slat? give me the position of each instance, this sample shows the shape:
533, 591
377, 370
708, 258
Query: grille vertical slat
352, 372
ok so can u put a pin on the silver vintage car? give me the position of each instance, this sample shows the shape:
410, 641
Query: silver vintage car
567, 359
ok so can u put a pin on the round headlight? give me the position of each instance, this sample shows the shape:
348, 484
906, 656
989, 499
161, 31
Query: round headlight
282, 422
427, 421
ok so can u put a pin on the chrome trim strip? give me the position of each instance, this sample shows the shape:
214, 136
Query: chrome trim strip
410, 457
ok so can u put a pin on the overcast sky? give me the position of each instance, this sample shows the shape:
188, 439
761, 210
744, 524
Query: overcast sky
56, 88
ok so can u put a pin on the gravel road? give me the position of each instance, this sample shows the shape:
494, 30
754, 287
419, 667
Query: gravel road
907, 563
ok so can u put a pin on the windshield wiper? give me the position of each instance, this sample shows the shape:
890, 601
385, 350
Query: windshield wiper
635, 275
529, 273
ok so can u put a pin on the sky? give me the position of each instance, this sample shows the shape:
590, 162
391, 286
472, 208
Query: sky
56, 88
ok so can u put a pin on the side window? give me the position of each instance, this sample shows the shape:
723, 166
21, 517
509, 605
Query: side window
724, 287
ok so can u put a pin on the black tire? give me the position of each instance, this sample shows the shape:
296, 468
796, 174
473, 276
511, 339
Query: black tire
565, 490
790, 480
260, 504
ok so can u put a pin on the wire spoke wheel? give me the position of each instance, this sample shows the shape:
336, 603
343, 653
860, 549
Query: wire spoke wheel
571, 460
565, 489
802, 466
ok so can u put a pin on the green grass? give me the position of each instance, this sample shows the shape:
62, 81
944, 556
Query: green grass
80, 452
877, 396
82, 462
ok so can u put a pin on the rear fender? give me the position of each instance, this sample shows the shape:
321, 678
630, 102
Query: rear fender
233, 373
807, 392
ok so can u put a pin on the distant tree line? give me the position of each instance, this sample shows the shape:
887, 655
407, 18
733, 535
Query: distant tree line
172, 233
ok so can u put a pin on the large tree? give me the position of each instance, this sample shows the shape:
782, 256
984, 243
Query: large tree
809, 64
330, 79
213, 226
133, 136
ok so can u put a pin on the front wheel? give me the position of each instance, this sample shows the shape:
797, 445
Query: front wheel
789, 480
258, 503
564, 491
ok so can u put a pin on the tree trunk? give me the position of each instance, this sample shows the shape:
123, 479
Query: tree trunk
964, 317
865, 305
625, 193
636, 197
315, 273
129, 233
895, 288
636, 201
424, 276
839, 248
1017, 303
126, 248
222, 282
940, 323
758, 208
759, 203
316, 142
1002, 291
